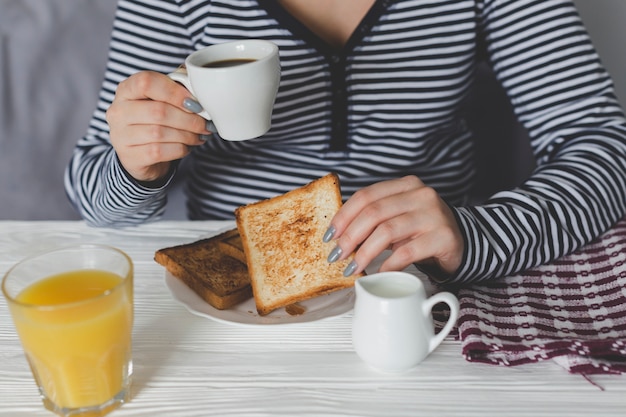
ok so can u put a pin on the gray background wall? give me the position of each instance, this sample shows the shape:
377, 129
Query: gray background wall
47, 97
606, 23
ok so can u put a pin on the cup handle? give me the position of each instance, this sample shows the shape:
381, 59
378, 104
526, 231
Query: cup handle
453, 303
180, 76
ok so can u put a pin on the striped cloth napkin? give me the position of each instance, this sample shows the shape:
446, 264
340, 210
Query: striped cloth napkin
572, 311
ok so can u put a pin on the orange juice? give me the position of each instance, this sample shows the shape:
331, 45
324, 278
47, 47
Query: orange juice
75, 328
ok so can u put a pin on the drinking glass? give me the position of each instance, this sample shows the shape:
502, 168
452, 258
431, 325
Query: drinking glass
73, 311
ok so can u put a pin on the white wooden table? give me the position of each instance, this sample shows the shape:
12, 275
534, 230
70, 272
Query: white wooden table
186, 366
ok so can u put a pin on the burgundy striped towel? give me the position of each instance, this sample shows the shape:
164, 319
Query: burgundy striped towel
572, 311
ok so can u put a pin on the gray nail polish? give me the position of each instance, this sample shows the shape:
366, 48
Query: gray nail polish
329, 234
210, 126
204, 138
192, 105
350, 269
334, 254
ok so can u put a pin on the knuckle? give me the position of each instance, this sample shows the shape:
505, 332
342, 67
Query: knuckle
156, 132
154, 152
111, 113
347, 240
361, 196
386, 231
428, 194
412, 181
141, 80
115, 111
158, 112
372, 211
124, 84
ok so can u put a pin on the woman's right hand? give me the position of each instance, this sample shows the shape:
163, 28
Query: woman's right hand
150, 126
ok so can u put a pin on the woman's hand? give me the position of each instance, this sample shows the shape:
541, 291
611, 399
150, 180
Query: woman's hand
402, 215
150, 126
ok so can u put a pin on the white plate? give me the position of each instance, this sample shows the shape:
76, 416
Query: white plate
323, 307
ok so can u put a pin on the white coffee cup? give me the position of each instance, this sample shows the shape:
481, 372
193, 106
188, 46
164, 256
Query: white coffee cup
239, 99
392, 327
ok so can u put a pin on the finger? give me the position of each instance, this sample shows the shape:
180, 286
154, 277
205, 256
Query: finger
376, 219
149, 161
153, 153
440, 243
138, 135
149, 85
410, 251
155, 113
440, 248
154, 86
429, 241
385, 235
366, 196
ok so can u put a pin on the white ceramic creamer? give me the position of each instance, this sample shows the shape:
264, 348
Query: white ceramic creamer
392, 328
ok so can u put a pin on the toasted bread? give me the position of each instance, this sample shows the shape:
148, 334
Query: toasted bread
219, 279
282, 242
232, 246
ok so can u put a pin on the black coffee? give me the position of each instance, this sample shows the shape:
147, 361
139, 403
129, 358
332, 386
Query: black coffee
228, 63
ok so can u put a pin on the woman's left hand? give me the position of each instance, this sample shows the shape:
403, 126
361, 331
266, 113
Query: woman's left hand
403, 215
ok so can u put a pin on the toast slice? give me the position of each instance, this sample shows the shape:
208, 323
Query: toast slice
232, 246
282, 242
220, 280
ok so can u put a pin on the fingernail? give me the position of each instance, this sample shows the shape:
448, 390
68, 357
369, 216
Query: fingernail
192, 105
204, 138
334, 254
329, 234
210, 126
350, 269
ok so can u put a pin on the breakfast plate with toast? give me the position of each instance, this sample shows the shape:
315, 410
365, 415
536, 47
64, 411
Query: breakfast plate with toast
323, 307
272, 268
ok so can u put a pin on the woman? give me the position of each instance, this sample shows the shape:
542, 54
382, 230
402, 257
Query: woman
371, 90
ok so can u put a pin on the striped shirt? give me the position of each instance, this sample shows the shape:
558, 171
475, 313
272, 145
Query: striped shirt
388, 104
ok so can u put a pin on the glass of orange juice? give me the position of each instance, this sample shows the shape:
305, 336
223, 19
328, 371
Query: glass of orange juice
73, 311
